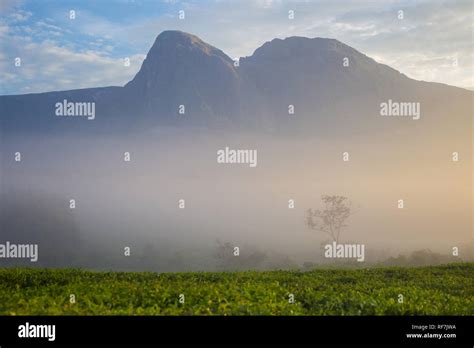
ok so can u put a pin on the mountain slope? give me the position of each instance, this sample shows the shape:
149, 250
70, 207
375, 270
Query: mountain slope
181, 69
181, 72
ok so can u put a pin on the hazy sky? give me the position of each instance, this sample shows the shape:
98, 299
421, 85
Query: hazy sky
433, 41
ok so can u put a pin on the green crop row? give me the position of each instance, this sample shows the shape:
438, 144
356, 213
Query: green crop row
437, 290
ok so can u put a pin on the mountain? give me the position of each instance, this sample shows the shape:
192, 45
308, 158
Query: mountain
308, 74
181, 69
337, 108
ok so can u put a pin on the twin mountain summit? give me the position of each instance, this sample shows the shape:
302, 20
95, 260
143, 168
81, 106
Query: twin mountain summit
294, 85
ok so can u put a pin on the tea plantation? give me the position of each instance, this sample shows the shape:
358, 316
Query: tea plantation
436, 290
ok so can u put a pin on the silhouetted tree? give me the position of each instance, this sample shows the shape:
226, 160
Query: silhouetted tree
332, 218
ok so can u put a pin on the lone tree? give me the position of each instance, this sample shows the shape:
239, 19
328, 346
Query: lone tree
332, 219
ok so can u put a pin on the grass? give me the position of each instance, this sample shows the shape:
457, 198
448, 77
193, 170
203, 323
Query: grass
436, 290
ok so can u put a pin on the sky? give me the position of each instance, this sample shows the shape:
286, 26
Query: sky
428, 40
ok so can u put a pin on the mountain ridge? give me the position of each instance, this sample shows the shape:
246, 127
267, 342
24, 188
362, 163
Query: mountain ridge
286, 39
324, 80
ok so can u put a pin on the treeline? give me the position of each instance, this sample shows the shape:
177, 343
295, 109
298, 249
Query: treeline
47, 221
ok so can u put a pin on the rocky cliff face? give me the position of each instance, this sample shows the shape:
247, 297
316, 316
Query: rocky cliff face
186, 82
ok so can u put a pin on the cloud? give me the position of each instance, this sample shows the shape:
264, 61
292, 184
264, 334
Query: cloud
433, 41
46, 67
8, 5
267, 3
20, 16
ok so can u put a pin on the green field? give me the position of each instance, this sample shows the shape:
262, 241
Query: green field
437, 290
